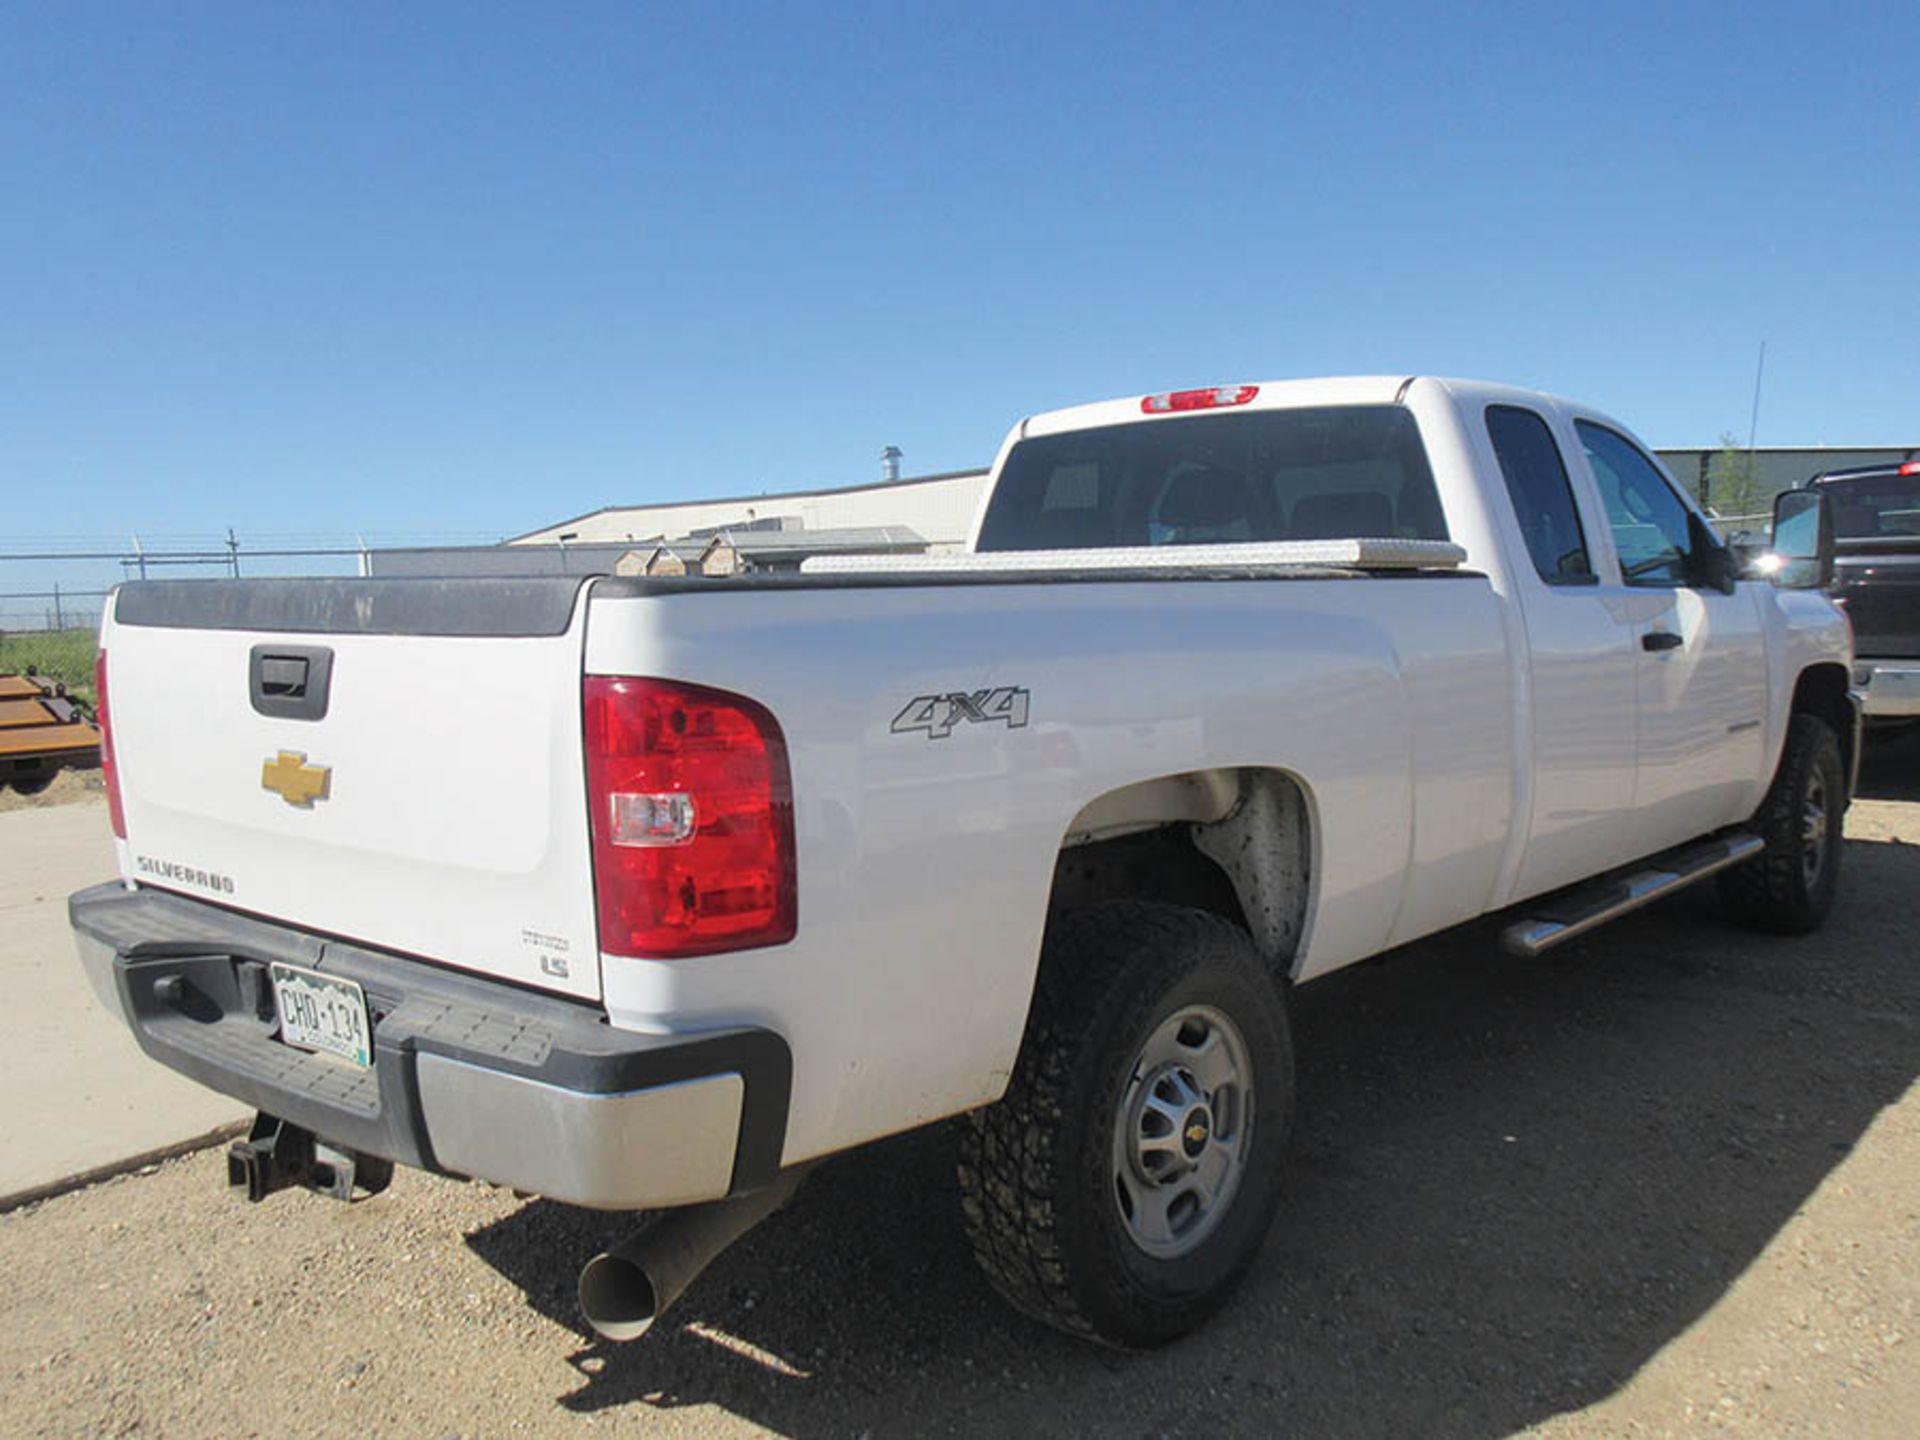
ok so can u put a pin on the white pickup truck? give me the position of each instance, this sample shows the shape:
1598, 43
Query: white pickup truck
645, 893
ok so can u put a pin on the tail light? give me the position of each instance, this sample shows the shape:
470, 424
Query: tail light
692, 812
109, 770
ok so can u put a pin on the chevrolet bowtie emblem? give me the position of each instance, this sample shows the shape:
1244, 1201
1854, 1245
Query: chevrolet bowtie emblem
299, 784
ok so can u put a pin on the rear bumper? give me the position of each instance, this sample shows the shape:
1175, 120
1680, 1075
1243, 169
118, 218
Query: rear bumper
1888, 689
469, 1076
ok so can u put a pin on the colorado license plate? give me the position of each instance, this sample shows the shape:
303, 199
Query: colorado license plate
323, 1012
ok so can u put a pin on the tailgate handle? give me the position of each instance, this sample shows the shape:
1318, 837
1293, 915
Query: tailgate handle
290, 682
283, 675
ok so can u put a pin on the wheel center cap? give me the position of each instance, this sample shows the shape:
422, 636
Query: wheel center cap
1195, 1131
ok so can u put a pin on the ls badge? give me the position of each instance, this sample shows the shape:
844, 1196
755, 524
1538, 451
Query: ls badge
299, 784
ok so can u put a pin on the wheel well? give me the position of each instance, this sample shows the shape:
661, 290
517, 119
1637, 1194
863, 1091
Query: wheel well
1233, 841
1822, 690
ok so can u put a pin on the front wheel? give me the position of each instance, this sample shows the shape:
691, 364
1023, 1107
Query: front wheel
1125, 1182
1790, 887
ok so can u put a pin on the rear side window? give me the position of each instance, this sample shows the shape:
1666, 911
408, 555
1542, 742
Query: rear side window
1542, 495
1328, 472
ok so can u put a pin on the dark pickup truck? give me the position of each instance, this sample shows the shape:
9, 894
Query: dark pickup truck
1876, 529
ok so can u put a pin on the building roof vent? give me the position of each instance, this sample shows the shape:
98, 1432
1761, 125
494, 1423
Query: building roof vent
890, 464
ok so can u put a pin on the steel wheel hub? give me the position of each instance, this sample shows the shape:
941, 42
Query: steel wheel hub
1180, 1131
1813, 829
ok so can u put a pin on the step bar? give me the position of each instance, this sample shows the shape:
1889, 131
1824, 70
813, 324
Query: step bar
1573, 912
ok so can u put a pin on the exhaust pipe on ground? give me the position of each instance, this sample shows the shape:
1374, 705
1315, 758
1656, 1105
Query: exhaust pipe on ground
625, 1289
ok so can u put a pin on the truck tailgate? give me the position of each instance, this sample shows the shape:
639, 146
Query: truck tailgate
357, 758
1878, 582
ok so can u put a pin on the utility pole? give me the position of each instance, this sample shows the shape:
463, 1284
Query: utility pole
233, 554
59, 620
1753, 423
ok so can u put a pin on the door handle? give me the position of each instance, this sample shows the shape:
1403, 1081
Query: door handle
1661, 640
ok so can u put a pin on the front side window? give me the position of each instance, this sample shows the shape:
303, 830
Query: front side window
1652, 528
1318, 473
1542, 495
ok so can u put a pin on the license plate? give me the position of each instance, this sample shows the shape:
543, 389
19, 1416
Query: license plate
323, 1013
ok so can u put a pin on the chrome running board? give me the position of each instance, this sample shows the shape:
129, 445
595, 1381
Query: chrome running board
1575, 911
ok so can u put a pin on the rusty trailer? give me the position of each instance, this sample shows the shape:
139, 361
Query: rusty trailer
41, 732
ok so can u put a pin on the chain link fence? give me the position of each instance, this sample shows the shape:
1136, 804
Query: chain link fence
57, 609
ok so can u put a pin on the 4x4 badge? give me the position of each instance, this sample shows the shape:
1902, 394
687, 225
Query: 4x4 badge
299, 784
938, 714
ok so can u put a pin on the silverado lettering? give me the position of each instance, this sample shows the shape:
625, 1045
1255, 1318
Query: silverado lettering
184, 874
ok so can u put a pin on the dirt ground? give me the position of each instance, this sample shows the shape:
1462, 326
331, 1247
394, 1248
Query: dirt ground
1667, 1183
68, 787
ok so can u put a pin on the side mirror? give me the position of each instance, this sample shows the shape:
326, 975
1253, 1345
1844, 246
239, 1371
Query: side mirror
1802, 540
1714, 565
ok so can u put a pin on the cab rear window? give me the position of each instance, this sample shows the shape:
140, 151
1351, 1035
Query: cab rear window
1327, 472
1875, 505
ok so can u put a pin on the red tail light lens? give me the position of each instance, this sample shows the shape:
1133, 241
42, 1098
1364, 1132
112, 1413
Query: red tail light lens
692, 812
109, 771
1211, 399
1912, 467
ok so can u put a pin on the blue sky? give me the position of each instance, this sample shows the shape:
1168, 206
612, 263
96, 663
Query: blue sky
446, 270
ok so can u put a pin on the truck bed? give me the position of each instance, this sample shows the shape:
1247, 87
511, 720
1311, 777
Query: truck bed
924, 850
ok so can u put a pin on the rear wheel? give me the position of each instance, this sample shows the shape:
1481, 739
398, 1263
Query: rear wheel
1790, 887
1125, 1182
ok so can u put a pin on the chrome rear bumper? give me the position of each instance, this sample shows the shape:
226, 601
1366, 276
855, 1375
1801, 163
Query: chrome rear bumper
1888, 689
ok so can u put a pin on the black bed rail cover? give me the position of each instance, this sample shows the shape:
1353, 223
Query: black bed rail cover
474, 606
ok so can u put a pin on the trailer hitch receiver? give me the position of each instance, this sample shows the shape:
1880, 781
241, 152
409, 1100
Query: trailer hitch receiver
278, 1156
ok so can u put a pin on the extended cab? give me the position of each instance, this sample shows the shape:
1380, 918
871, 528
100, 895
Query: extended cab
649, 892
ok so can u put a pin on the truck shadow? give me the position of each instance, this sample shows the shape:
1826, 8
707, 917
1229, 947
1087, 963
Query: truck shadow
1512, 1184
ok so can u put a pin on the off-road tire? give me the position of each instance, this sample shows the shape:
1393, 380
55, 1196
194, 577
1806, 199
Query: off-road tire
1775, 891
1036, 1171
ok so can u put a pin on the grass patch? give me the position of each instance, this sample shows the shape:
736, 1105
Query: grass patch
63, 655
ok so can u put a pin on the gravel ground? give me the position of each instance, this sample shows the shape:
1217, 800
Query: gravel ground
1667, 1183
